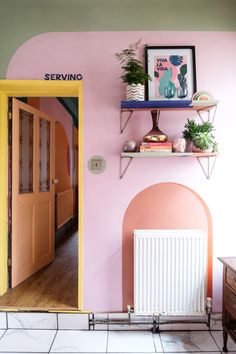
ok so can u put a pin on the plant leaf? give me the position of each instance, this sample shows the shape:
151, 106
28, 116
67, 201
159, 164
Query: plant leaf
176, 60
183, 69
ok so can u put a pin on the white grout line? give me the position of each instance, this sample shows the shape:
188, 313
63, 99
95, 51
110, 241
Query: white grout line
107, 341
154, 343
3, 333
53, 341
57, 321
161, 343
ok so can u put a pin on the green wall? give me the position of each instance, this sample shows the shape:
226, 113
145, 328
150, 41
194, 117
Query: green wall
23, 19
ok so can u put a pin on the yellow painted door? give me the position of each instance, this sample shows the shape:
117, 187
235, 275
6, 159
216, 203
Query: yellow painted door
33, 173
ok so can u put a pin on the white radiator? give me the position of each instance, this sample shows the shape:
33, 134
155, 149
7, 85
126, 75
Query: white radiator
64, 207
170, 272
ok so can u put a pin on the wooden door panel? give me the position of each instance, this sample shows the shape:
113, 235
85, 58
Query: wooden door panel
32, 191
26, 242
23, 249
44, 229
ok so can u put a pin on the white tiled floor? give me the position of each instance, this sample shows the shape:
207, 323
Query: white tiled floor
219, 340
135, 342
78, 341
3, 320
32, 320
193, 341
27, 340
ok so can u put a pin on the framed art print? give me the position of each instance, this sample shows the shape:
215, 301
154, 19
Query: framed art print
173, 73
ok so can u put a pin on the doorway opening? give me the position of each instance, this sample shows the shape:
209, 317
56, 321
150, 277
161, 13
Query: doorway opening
43, 248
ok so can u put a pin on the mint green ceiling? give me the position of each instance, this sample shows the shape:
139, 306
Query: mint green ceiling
23, 19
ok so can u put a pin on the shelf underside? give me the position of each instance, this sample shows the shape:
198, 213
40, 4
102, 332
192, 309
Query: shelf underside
167, 105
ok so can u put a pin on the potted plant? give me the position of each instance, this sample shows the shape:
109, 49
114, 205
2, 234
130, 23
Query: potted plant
133, 72
199, 135
203, 142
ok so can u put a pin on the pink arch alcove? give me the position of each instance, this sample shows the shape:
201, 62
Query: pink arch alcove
162, 206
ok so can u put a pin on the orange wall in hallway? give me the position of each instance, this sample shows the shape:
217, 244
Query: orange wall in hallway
62, 165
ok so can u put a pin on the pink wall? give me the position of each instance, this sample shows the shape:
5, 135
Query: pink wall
105, 196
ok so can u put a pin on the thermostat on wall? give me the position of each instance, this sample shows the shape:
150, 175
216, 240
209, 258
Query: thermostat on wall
96, 164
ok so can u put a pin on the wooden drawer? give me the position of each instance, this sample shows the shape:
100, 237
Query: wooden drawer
230, 302
231, 279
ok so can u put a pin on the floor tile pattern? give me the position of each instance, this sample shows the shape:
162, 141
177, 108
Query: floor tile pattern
14, 341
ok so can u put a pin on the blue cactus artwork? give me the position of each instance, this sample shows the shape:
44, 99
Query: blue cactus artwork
183, 88
167, 87
171, 78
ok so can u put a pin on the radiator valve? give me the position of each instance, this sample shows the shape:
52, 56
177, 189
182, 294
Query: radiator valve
130, 309
209, 305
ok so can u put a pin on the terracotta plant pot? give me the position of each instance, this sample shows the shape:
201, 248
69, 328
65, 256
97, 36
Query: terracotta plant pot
206, 151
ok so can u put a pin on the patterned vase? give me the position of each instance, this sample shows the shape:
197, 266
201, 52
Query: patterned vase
135, 92
155, 135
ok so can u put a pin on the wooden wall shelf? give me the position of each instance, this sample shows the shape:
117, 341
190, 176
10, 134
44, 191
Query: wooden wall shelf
206, 160
206, 111
209, 107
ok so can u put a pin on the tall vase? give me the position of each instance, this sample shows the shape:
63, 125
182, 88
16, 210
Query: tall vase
155, 135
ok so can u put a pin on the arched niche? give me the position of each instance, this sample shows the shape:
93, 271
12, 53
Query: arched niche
162, 206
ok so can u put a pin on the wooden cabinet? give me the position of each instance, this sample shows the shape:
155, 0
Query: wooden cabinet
229, 300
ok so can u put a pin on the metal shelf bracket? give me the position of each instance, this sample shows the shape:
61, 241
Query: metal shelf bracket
210, 114
123, 124
207, 164
123, 168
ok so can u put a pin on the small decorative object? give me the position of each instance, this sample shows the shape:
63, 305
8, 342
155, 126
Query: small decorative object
155, 135
202, 96
200, 135
216, 147
130, 146
173, 73
179, 145
134, 74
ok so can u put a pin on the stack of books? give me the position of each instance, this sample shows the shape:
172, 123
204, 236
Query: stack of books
156, 147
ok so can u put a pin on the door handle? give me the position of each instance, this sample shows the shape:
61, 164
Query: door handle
55, 180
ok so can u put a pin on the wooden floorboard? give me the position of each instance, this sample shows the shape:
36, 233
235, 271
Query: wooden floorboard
55, 287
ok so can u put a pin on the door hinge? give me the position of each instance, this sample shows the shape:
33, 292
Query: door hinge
9, 262
9, 108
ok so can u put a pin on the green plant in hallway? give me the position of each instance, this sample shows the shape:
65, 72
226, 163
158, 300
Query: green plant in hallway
134, 74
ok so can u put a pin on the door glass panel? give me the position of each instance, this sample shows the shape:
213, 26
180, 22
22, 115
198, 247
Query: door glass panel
26, 152
44, 163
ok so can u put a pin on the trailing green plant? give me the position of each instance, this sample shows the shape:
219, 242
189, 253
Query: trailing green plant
133, 71
191, 128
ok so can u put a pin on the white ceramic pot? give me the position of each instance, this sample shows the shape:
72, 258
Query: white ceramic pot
135, 92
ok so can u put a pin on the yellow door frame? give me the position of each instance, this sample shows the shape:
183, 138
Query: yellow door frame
33, 88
